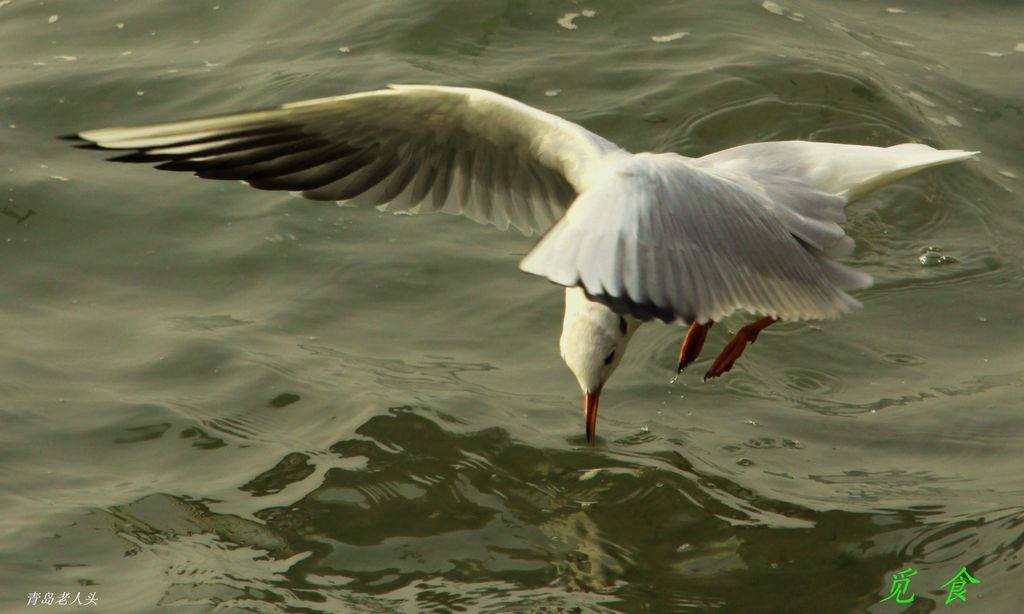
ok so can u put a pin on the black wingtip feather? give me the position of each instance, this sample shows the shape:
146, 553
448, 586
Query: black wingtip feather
70, 137
138, 157
179, 165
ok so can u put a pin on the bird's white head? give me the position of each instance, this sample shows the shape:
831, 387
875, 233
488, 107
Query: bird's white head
594, 338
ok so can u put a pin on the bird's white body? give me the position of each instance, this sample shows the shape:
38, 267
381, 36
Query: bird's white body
633, 237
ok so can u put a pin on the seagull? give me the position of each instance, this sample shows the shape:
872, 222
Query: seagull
633, 237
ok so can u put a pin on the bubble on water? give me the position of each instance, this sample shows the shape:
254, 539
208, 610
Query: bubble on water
895, 11
53, 19
915, 96
552, 93
773, 8
745, 462
667, 38
931, 256
566, 21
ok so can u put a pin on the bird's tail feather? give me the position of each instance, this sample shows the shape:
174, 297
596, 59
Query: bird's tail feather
846, 171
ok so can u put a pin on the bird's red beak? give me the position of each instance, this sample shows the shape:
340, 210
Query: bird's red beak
590, 413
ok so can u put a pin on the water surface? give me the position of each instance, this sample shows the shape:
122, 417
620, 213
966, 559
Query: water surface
223, 399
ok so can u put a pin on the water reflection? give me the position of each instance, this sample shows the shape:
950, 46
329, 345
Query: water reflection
412, 516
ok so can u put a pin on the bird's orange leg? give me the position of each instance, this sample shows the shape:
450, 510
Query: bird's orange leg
693, 343
733, 349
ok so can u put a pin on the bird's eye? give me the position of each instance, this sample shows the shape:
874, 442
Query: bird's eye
609, 358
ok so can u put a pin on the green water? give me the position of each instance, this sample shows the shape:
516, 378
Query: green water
222, 399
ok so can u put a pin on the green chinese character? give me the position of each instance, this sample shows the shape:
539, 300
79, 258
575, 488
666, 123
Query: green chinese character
900, 586
959, 585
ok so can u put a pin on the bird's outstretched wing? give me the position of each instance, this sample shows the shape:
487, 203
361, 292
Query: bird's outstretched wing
406, 148
755, 228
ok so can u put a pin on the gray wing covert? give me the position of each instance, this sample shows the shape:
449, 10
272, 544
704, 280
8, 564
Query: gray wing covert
659, 238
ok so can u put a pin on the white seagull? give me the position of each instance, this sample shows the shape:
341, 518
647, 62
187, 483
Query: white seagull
632, 237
